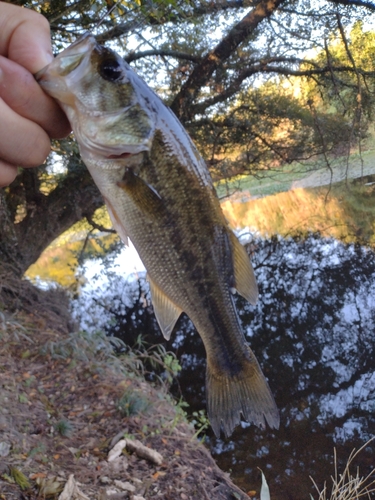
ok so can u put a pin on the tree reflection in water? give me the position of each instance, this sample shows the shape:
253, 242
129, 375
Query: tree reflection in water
313, 333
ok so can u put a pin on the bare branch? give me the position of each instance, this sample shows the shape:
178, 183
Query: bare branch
234, 86
120, 30
97, 226
134, 56
357, 3
149, 19
203, 71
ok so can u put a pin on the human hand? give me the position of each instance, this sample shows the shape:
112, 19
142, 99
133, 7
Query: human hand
28, 117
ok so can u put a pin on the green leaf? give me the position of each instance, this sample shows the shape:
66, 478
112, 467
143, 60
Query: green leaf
22, 398
20, 478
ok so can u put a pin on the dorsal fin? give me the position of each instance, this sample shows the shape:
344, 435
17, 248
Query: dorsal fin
166, 312
245, 282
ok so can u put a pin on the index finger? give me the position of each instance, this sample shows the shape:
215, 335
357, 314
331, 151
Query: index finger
25, 37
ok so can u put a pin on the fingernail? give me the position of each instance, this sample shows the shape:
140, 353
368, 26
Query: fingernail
44, 59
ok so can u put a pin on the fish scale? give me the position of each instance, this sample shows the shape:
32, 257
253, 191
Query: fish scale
159, 193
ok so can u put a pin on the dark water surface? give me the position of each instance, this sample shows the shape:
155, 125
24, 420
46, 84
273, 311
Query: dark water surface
313, 333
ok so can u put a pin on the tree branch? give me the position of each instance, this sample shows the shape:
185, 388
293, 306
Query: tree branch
264, 67
150, 19
203, 71
118, 30
357, 3
97, 226
134, 56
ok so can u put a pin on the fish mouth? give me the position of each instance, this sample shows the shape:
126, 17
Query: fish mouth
68, 60
52, 78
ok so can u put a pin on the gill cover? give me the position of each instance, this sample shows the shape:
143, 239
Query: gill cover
107, 113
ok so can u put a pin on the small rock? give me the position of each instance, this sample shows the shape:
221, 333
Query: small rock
115, 495
105, 480
138, 497
115, 468
124, 485
116, 450
4, 449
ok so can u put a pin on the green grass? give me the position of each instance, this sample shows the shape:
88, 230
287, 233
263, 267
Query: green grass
297, 174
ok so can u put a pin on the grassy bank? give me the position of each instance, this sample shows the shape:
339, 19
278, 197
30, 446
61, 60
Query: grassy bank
305, 174
346, 212
66, 402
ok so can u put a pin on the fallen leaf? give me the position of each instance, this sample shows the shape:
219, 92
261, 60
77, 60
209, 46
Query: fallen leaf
38, 474
71, 491
158, 474
124, 485
49, 486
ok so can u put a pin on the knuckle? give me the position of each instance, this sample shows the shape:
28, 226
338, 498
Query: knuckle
39, 19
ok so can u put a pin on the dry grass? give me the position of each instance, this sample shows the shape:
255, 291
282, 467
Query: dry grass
347, 486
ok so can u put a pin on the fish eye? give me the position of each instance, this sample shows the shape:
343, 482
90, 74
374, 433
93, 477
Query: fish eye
110, 70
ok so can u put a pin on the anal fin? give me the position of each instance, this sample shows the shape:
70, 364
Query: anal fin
166, 312
245, 282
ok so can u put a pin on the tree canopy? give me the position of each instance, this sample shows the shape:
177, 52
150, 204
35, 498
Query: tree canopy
256, 84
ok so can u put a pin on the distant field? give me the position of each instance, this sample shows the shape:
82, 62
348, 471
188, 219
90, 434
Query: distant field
298, 175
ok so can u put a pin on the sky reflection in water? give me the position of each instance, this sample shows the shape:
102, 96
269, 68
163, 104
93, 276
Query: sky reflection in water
313, 333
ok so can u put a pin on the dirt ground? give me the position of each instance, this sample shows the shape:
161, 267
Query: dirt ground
66, 402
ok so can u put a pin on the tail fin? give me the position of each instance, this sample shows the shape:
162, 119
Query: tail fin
247, 392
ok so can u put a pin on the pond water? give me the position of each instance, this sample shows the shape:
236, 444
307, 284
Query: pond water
313, 333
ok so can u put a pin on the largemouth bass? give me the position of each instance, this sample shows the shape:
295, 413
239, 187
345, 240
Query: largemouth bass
159, 193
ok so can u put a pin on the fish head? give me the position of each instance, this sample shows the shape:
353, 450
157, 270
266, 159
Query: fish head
98, 92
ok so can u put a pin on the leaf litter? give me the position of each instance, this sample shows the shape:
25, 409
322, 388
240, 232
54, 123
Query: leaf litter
60, 418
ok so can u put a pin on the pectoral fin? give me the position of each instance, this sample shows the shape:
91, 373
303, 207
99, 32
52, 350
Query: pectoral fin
117, 224
245, 282
166, 312
143, 195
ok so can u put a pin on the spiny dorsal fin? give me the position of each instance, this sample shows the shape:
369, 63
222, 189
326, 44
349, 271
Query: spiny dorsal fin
245, 282
166, 312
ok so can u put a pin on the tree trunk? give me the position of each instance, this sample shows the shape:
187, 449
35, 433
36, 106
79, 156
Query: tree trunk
32, 216
31, 220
